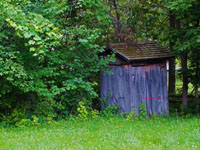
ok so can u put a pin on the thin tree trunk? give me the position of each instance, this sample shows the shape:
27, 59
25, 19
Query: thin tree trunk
185, 78
184, 67
72, 4
172, 77
118, 18
196, 86
196, 92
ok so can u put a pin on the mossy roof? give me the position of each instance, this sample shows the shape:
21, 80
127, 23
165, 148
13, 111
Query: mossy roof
141, 50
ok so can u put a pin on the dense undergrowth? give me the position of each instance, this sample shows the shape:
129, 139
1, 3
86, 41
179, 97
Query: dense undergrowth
175, 105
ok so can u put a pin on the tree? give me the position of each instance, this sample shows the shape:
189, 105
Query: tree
172, 79
187, 35
174, 24
48, 55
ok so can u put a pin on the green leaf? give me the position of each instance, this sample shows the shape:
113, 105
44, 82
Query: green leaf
32, 49
27, 35
37, 38
31, 42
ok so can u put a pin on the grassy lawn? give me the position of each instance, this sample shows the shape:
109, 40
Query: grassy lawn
164, 133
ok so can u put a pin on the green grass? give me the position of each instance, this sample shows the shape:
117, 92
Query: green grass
165, 133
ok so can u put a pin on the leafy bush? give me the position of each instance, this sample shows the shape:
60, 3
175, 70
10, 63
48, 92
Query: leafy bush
132, 115
49, 57
143, 112
177, 107
83, 110
95, 113
33, 121
110, 111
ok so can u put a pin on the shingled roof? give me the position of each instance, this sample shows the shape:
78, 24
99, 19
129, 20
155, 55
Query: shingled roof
141, 50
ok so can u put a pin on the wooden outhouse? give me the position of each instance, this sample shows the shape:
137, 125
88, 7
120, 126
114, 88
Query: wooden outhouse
138, 77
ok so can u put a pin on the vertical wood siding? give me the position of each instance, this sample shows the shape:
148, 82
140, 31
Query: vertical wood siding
133, 86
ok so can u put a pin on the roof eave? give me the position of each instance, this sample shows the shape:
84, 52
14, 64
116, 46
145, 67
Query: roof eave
150, 58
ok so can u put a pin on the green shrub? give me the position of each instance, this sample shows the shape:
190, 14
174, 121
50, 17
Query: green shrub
34, 121
143, 112
110, 111
95, 113
24, 122
83, 110
132, 115
48, 59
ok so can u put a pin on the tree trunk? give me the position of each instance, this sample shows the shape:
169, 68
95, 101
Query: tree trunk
172, 77
196, 76
72, 4
118, 19
184, 67
185, 78
196, 92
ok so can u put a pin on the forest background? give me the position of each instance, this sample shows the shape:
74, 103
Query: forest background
49, 63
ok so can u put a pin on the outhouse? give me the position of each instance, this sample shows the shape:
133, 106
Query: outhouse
138, 77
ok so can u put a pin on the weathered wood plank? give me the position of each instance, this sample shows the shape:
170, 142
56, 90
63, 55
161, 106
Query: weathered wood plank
132, 86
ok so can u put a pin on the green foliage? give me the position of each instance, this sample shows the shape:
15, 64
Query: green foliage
177, 108
95, 113
143, 112
49, 56
83, 110
33, 121
110, 111
132, 115
49, 50
24, 123
192, 108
